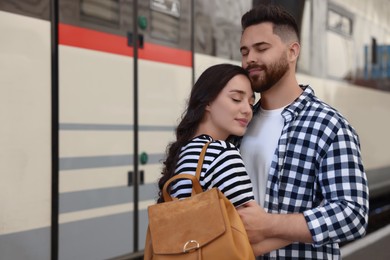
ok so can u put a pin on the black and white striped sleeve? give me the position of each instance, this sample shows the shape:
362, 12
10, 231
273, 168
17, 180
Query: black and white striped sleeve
227, 172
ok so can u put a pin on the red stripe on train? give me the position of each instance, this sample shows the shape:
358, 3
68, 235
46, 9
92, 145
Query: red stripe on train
100, 41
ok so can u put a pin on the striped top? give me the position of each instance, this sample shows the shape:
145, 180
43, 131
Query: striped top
222, 168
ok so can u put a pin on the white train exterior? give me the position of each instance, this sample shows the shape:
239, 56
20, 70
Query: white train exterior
117, 107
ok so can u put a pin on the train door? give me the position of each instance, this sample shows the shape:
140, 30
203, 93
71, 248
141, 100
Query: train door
125, 68
97, 206
164, 82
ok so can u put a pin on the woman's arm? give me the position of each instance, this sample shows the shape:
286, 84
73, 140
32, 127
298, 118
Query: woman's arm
268, 245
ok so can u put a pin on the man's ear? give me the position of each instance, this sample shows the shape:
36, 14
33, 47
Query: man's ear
294, 51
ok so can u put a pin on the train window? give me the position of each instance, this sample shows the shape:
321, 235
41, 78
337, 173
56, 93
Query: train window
218, 27
164, 20
39, 8
104, 12
340, 20
170, 7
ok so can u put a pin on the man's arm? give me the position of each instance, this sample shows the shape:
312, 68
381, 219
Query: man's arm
261, 225
344, 212
343, 215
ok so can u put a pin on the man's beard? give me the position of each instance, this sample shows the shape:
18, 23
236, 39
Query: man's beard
272, 74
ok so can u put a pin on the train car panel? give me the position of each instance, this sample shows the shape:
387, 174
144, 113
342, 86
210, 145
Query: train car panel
94, 143
168, 86
25, 139
25, 144
89, 179
86, 86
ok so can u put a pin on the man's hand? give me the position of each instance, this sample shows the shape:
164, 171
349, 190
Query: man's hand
253, 217
261, 225
256, 220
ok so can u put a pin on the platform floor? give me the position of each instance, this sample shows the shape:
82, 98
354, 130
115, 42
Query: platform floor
373, 246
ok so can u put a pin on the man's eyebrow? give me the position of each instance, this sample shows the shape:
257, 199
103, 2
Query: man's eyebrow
257, 44
243, 48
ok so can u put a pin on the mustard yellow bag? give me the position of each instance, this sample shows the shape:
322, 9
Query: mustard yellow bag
204, 226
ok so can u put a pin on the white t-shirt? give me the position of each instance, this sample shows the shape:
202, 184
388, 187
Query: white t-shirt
258, 148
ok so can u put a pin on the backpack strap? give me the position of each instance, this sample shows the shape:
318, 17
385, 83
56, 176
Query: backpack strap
200, 161
196, 187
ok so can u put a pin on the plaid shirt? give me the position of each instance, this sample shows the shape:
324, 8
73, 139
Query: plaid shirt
317, 170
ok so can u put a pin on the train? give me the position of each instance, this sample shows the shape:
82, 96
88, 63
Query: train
91, 92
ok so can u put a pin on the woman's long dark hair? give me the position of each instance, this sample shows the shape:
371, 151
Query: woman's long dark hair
205, 90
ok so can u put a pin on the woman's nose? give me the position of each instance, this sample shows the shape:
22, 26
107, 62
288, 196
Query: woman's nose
247, 108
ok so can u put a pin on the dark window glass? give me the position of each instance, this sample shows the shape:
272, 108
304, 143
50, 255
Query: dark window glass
104, 12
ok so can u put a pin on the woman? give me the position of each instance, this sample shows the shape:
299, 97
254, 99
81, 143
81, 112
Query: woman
220, 105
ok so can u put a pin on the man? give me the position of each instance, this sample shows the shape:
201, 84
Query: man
301, 154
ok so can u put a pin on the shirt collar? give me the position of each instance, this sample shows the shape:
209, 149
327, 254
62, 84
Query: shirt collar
292, 111
295, 108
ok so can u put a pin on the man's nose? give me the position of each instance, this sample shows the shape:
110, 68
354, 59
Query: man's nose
251, 58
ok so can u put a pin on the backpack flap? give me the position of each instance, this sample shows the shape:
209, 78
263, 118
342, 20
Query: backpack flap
184, 225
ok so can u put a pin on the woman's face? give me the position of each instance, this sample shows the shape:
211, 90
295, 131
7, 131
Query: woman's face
231, 111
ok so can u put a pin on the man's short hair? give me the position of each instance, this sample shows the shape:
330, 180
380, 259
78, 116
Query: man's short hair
284, 24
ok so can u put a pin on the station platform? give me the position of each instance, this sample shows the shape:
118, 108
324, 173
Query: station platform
373, 246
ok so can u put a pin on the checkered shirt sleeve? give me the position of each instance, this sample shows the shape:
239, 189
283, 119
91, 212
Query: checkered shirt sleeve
343, 184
